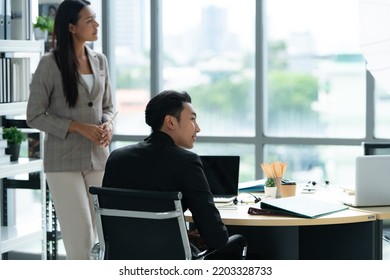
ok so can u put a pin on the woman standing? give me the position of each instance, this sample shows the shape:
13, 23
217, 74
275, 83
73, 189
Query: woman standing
70, 100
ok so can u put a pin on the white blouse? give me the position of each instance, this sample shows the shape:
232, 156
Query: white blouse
88, 78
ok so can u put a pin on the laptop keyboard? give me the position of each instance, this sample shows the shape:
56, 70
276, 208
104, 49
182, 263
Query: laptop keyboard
224, 198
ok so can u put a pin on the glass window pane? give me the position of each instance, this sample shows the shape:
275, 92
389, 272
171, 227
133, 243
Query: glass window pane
132, 64
315, 69
208, 51
335, 164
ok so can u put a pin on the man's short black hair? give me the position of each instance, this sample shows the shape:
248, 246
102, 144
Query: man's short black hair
168, 102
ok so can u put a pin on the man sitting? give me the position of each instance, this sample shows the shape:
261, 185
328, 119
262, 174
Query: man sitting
162, 162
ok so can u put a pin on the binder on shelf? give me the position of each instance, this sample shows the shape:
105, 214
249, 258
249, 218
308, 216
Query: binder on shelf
2, 19
1, 80
7, 19
301, 206
21, 22
7, 81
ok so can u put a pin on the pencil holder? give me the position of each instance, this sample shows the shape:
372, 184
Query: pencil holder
287, 190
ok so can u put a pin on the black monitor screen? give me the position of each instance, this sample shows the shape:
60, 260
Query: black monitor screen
222, 173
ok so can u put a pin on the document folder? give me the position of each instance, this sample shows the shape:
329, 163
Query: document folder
2, 19
301, 206
252, 186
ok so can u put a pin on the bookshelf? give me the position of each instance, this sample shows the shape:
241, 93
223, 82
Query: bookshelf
14, 236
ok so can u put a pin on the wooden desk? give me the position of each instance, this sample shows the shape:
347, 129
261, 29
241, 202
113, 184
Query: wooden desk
381, 212
348, 234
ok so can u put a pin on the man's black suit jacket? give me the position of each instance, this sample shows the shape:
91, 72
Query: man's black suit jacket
158, 164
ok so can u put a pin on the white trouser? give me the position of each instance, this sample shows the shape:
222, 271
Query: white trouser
73, 205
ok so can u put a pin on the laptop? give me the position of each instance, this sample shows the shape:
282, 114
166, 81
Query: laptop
222, 173
372, 184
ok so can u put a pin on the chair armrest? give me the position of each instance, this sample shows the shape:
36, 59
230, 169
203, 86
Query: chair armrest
95, 252
203, 254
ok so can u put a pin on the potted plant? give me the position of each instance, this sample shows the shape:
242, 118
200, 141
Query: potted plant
270, 188
14, 137
42, 27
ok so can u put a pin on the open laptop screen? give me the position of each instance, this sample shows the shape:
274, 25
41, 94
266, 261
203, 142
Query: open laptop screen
222, 173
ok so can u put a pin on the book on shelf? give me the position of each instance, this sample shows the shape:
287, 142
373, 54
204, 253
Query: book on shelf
5, 90
2, 81
20, 79
15, 79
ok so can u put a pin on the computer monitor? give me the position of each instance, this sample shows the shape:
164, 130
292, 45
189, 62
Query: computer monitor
222, 173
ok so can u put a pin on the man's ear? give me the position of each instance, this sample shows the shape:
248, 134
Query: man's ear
170, 122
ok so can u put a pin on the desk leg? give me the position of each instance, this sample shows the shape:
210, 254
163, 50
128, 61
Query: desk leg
379, 240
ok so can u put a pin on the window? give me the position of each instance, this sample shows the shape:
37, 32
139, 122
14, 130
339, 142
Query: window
315, 69
278, 88
208, 50
131, 27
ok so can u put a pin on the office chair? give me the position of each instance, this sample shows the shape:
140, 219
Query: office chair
382, 148
142, 225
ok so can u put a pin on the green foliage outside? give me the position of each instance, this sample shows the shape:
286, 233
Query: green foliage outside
224, 96
291, 91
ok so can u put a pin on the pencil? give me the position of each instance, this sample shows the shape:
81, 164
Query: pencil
112, 119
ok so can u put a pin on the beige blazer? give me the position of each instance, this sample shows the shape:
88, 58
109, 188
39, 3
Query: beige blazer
47, 111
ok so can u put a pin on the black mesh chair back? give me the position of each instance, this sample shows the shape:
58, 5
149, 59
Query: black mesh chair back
140, 225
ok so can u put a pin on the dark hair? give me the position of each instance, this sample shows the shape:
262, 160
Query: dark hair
168, 102
67, 12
